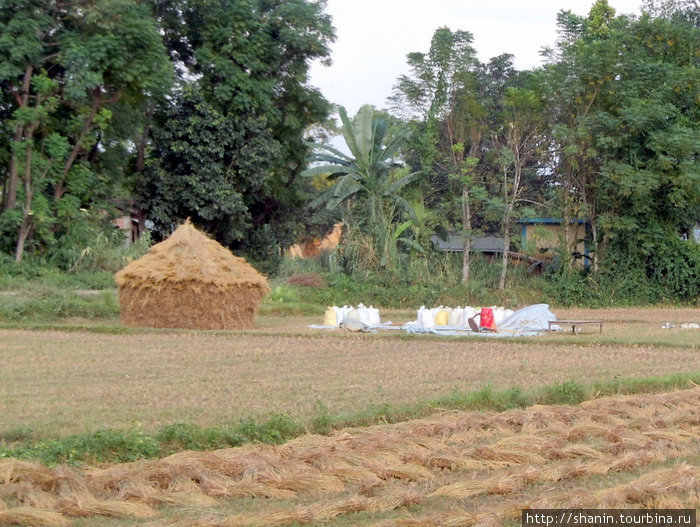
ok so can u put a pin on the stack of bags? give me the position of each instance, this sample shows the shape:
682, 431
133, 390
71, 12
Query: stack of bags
455, 318
367, 315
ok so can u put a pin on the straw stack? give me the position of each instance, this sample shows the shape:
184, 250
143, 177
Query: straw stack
190, 281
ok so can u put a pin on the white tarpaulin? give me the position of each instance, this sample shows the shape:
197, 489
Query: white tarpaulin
530, 318
528, 321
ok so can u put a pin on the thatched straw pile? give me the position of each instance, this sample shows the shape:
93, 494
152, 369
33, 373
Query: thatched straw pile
190, 281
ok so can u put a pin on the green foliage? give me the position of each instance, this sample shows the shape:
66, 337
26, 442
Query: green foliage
663, 269
226, 152
324, 422
207, 167
32, 291
370, 192
120, 446
19, 276
101, 446
91, 246
432, 281
567, 392
90, 118
63, 69
624, 129
45, 304
673, 265
285, 300
486, 399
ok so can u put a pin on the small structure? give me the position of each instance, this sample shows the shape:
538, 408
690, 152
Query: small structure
190, 281
132, 222
695, 235
488, 245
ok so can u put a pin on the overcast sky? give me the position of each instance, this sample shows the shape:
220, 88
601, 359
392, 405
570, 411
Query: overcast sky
374, 37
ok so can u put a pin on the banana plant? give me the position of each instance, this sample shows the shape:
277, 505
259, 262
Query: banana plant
363, 179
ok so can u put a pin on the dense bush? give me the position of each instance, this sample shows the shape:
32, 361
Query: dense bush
663, 268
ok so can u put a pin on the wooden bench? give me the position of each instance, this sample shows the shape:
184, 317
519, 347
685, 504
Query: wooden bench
574, 323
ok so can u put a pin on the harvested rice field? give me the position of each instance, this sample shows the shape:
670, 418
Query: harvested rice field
58, 383
453, 469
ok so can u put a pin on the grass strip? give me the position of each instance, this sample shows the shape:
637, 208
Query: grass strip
115, 445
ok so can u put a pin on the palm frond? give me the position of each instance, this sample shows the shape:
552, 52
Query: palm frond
364, 132
395, 144
404, 205
412, 243
326, 169
343, 194
349, 134
333, 150
406, 180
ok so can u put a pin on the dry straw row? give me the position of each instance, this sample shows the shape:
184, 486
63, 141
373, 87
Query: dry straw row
676, 487
499, 453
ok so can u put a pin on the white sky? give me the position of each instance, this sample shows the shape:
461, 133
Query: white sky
373, 38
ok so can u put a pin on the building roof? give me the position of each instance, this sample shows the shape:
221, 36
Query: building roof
454, 243
549, 221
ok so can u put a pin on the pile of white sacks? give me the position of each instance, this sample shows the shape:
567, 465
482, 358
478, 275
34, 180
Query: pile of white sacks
448, 321
456, 318
367, 315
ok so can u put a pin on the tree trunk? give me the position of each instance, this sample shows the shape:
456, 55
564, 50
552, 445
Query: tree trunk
26, 225
594, 230
140, 166
566, 252
24, 231
467, 229
594, 234
87, 126
10, 198
10, 201
506, 248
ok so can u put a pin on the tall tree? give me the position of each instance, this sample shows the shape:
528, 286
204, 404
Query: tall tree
625, 92
246, 63
443, 95
518, 142
64, 65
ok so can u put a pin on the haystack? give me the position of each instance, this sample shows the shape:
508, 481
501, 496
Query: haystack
190, 281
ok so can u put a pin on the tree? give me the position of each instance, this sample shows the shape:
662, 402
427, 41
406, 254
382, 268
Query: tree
210, 168
63, 66
665, 8
363, 182
244, 71
625, 92
518, 143
443, 92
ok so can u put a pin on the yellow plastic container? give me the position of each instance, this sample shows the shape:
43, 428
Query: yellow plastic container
330, 318
441, 318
